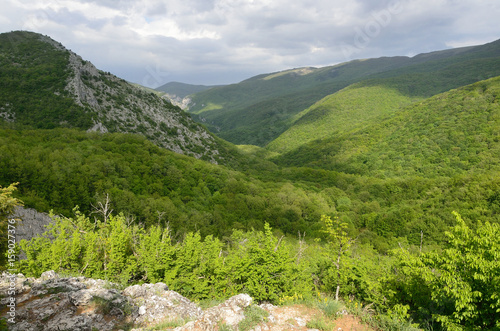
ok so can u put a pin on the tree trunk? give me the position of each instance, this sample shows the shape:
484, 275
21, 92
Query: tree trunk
338, 274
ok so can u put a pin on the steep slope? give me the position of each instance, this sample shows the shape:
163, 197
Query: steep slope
44, 85
61, 168
446, 135
258, 110
355, 106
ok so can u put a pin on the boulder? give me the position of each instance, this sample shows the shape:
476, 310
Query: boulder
52, 302
230, 312
158, 304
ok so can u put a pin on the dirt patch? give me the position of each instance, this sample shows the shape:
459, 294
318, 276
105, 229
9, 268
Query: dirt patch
296, 317
351, 323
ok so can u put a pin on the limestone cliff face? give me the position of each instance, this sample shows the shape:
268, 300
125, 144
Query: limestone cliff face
180, 102
118, 106
31, 224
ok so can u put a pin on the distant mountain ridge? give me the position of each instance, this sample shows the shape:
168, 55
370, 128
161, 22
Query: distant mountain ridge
257, 110
182, 89
44, 85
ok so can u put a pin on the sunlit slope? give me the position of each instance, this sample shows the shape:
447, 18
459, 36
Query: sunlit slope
273, 85
353, 107
258, 110
446, 135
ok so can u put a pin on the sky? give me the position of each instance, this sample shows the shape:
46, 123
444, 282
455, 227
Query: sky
210, 42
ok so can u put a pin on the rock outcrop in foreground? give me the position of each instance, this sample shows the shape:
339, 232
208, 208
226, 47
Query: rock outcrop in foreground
53, 302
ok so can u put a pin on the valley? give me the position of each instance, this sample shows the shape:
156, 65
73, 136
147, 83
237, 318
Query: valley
377, 177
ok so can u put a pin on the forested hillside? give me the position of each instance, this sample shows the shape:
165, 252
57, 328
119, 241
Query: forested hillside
451, 134
62, 168
259, 109
358, 105
380, 196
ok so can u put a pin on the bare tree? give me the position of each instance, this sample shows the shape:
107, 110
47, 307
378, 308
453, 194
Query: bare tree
103, 209
302, 246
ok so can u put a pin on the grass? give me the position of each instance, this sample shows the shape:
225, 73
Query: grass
369, 316
168, 325
104, 306
208, 303
328, 310
321, 323
331, 308
327, 305
101, 305
224, 327
253, 316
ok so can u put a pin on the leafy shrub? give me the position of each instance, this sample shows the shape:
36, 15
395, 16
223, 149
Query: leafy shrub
457, 287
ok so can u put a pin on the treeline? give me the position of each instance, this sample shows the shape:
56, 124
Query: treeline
256, 262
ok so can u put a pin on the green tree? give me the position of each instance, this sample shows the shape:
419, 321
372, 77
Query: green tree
339, 244
458, 287
155, 253
7, 205
198, 270
120, 261
261, 265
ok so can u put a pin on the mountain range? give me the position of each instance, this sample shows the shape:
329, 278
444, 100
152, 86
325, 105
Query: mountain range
387, 170
257, 110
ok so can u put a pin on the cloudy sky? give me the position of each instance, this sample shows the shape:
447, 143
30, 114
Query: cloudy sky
152, 42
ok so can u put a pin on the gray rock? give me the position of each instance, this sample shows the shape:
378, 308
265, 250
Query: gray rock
156, 119
300, 321
230, 312
12, 282
74, 303
54, 303
48, 275
158, 304
31, 224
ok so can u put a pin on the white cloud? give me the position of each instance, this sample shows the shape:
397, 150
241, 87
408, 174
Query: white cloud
222, 41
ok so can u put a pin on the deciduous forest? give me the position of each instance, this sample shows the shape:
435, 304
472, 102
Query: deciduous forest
381, 194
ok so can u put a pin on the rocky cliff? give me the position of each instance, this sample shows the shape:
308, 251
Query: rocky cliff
121, 107
54, 302
31, 224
